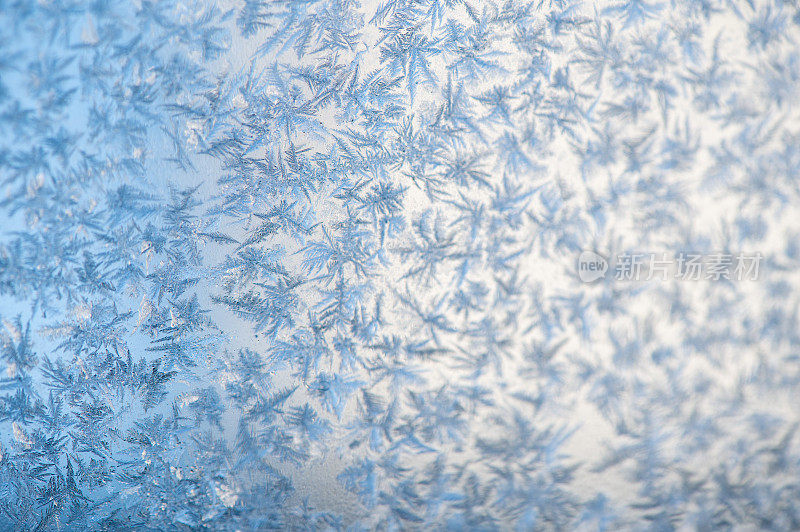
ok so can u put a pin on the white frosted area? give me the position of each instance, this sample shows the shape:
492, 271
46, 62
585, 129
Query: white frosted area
468, 379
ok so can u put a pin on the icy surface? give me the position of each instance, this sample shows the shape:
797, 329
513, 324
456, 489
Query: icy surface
312, 265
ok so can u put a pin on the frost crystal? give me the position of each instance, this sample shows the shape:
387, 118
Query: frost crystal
322, 264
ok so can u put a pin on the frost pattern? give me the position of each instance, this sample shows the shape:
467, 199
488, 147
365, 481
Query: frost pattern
311, 265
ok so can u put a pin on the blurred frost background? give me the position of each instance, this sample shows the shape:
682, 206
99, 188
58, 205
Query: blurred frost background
312, 265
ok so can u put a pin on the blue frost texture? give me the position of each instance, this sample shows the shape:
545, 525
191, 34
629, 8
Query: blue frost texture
311, 265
